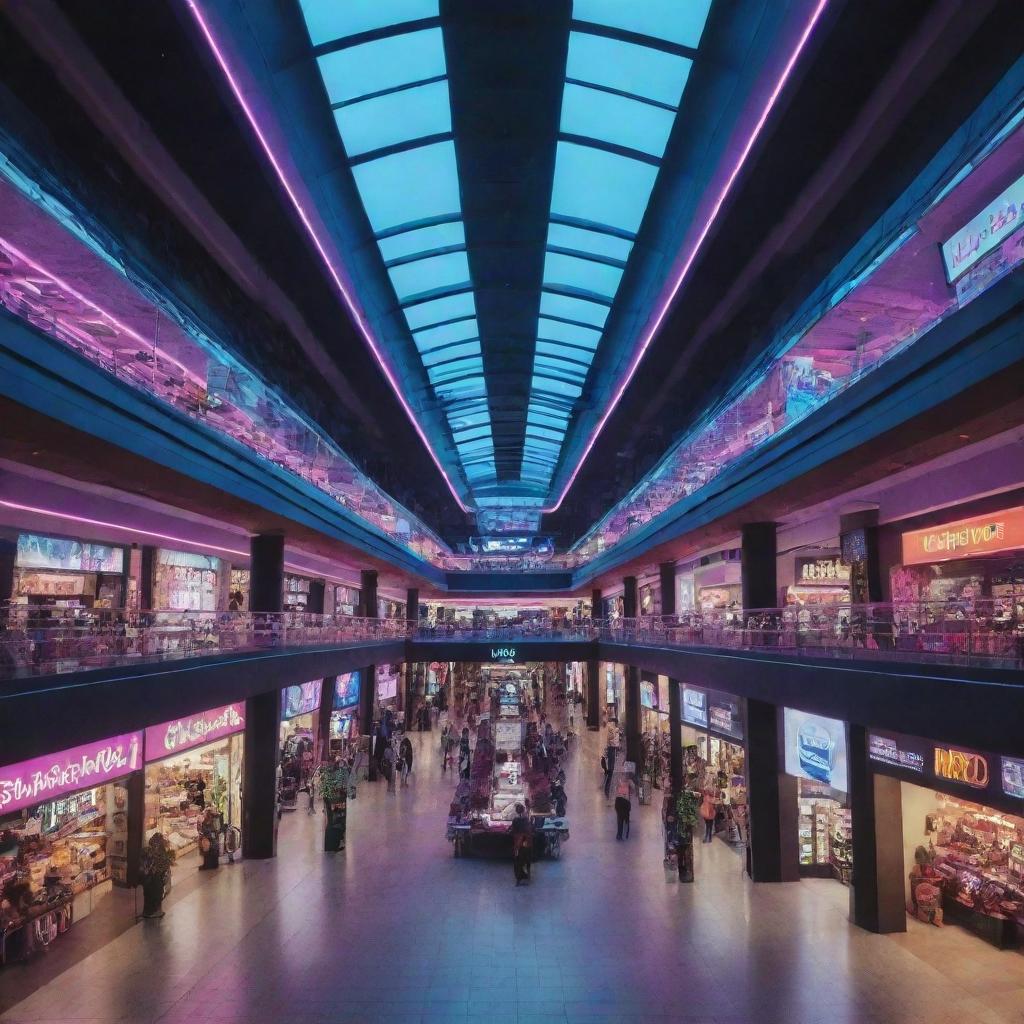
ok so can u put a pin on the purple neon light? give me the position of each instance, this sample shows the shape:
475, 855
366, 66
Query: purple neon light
663, 308
321, 249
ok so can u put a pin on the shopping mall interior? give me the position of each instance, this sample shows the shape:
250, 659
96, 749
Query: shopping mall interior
512, 512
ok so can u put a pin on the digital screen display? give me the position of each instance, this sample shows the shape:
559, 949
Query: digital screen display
301, 699
36, 552
346, 690
816, 748
695, 706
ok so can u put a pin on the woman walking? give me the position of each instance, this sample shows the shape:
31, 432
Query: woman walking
708, 812
405, 760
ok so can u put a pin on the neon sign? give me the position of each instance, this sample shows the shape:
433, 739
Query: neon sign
961, 766
503, 653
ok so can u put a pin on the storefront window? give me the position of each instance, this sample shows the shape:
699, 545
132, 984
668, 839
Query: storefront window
183, 581
60, 573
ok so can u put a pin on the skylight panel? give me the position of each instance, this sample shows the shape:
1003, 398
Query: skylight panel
396, 117
605, 188
444, 355
459, 368
555, 330
677, 21
479, 472
439, 311
539, 431
571, 308
460, 390
565, 236
410, 186
637, 70
446, 334
422, 240
429, 274
382, 64
560, 349
557, 387
470, 420
589, 275
560, 367
329, 19
622, 121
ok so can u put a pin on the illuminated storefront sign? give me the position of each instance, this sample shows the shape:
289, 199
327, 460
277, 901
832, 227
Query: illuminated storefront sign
301, 699
961, 766
346, 690
695, 707
193, 730
822, 571
816, 748
982, 233
892, 751
503, 654
46, 778
1013, 777
980, 535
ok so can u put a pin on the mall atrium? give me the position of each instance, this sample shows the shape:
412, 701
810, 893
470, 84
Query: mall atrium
512, 511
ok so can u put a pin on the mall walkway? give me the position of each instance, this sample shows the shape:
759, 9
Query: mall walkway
395, 930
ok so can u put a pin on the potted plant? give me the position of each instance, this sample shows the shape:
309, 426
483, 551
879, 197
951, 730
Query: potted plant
687, 816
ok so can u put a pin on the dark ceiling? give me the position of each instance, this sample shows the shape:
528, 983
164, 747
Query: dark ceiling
710, 338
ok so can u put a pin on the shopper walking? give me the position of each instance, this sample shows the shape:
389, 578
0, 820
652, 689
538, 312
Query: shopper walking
155, 871
387, 762
405, 760
464, 755
521, 843
623, 805
611, 749
708, 812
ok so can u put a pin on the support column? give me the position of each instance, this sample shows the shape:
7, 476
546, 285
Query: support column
629, 605
876, 893
860, 530
412, 607
760, 586
323, 729
594, 698
409, 695
667, 576
8, 555
315, 601
633, 714
596, 604
675, 734
368, 692
147, 570
259, 785
136, 809
266, 572
772, 796
368, 593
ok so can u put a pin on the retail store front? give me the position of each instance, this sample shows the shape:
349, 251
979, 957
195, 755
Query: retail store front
194, 764
962, 826
819, 580
186, 582
614, 676
55, 572
300, 707
345, 713
63, 838
816, 755
714, 755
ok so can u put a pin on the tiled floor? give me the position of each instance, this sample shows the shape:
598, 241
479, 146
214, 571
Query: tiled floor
394, 929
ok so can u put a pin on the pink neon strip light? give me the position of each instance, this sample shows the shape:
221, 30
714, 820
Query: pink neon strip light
663, 309
321, 249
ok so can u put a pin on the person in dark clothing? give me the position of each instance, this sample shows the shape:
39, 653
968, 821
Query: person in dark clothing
157, 859
405, 760
558, 798
464, 755
522, 840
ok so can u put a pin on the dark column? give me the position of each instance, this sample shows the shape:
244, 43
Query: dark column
629, 597
594, 698
266, 572
323, 745
315, 601
633, 714
368, 593
866, 582
760, 588
772, 797
596, 604
412, 607
147, 569
409, 694
675, 734
367, 693
876, 805
135, 784
8, 554
667, 574
259, 774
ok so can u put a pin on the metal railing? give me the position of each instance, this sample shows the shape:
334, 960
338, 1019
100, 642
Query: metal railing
570, 629
36, 641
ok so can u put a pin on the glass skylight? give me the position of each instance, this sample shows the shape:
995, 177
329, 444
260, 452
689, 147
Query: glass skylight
627, 67
451, 352
589, 275
594, 113
440, 311
428, 274
677, 21
572, 334
565, 236
396, 117
422, 240
328, 19
581, 310
432, 337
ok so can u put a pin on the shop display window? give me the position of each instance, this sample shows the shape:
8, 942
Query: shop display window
825, 831
183, 581
295, 596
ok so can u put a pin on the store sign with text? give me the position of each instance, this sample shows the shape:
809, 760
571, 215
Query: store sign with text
983, 232
821, 571
816, 748
896, 752
695, 707
979, 535
46, 778
194, 730
963, 766
302, 699
503, 654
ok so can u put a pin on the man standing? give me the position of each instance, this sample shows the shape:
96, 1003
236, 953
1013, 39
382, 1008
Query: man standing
521, 843
612, 749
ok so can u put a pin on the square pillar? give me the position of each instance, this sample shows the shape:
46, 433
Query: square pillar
633, 714
667, 576
675, 734
315, 601
259, 775
368, 593
596, 604
594, 698
323, 731
861, 532
629, 605
877, 894
772, 797
760, 585
266, 572
412, 607
367, 695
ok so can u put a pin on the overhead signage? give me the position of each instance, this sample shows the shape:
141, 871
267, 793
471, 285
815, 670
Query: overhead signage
193, 730
725, 714
821, 571
648, 694
302, 699
387, 682
816, 748
695, 707
46, 778
979, 535
890, 750
983, 232
36, 552
1013, 777
346, 690
503, 654
961, 766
